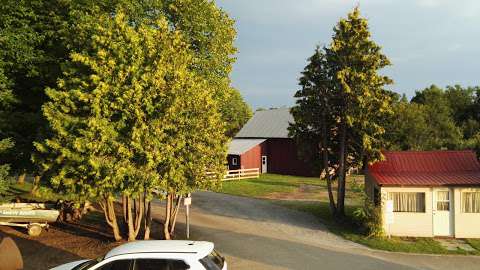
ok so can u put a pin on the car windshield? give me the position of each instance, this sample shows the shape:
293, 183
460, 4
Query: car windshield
214, 261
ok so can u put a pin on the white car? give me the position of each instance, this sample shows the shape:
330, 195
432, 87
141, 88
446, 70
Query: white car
155, 255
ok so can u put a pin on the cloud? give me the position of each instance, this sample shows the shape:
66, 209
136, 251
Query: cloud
427, 40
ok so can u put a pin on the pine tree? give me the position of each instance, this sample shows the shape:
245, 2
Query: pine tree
351, 103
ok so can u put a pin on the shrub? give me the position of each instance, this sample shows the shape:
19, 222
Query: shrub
369, 216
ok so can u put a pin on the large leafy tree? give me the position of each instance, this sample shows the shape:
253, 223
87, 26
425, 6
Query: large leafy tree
130, 117
352, 98
38, 37
443, 131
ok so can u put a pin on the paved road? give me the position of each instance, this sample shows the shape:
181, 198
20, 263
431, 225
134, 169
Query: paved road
256, 234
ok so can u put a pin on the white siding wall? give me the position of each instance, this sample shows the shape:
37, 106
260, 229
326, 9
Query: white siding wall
467, 225
411, 224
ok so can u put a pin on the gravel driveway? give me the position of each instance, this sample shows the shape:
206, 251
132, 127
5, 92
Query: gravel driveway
257, 234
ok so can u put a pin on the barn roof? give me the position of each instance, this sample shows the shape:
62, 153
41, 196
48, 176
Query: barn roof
427, 168
240, 146
267, 124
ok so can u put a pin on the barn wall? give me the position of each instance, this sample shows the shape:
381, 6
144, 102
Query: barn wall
283, 158
252, 158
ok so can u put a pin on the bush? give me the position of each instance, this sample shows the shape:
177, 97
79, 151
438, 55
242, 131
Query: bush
370, 219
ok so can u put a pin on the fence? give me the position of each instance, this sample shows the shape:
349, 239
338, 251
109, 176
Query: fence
241, 174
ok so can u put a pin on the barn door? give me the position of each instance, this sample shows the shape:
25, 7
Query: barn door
264, 164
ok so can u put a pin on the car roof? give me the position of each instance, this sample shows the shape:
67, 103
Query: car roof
198, 249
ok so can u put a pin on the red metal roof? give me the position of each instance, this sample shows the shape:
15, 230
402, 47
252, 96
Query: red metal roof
427, 168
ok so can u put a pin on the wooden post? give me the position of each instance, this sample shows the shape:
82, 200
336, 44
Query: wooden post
187, 202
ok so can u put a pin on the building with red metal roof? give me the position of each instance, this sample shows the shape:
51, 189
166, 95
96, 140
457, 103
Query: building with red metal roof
427, 193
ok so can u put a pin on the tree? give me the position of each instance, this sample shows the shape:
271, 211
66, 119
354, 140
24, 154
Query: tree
350, 105
444, 132
315, 117
235, 113
130, 118
38, 37
408, 128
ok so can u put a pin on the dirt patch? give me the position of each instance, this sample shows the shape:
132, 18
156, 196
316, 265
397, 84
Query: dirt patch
303, 193
60, 244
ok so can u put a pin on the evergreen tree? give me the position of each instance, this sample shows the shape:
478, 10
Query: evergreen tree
356, 102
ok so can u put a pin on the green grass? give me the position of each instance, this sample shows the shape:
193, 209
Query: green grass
305, 188
23, 192
314, 200
475, 243
268, 184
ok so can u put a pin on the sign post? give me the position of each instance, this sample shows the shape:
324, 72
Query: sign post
389, 219
187, 202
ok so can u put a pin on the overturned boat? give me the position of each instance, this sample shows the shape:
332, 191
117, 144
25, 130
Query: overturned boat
33, 216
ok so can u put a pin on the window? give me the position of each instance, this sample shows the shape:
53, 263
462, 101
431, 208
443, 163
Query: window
213, 261
234, 161
408, 201
443, 201
160, 264
117, 265
471, 202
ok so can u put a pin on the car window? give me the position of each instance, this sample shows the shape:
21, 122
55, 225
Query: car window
85, 265
160, 264
214, 261
117, 265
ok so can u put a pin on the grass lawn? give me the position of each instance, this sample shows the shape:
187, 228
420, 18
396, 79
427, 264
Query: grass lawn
310, 195
23, 191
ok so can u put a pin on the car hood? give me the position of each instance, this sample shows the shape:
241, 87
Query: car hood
69, 266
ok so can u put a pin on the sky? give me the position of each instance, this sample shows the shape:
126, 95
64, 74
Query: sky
427, 41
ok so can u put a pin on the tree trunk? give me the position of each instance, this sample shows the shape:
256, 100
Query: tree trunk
36, 184
108, 208
173, 219
166, 229
21, 178
341, 175
326, 166
131, 236
124, 208
148, 219
134, 216
139, 208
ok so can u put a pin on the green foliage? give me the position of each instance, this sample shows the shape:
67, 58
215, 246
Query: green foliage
370, 218
435, 119
39, 36
235, 113
130, 116
5, 145
443, 131
342, 104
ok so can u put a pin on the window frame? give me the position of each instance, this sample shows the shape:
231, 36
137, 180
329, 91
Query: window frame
234, 161
442, 201
424, 198
462, 198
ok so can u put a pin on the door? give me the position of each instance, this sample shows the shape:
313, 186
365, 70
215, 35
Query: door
264, 164
442, 212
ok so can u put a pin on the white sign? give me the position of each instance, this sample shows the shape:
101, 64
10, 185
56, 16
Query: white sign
187, 201
389, 212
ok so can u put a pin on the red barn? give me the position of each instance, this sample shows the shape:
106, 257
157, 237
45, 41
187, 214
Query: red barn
264, 143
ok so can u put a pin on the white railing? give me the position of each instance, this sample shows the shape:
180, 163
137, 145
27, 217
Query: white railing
242, 174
